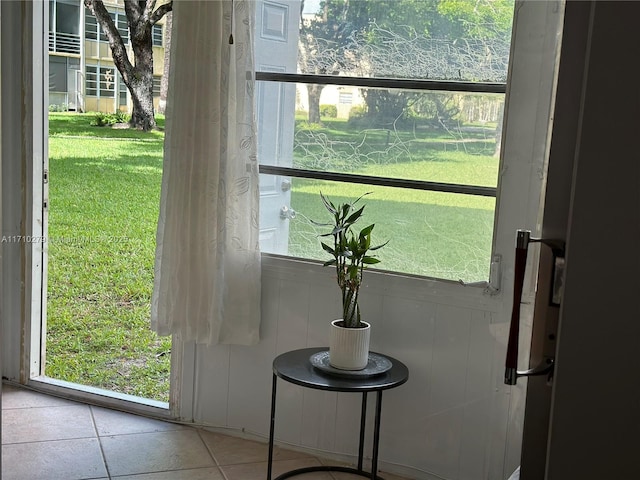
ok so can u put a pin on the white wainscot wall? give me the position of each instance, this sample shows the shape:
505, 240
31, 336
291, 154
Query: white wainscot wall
450, 420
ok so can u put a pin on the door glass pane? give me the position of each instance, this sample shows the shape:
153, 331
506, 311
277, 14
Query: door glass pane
433, 234
388, 134
466, 41
431, 136
57, 74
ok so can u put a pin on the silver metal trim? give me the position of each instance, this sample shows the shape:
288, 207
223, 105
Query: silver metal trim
380, 181
394, 83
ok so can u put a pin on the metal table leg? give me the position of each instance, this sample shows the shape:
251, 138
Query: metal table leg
363, 422
376, 435
326, 468
273, 425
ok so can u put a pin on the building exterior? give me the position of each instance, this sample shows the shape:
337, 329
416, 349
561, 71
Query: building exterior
82, 75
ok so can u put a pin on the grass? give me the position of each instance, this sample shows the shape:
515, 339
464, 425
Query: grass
104, 193
104, 201
430, 234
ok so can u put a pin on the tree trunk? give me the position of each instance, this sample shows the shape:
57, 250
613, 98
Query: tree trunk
138, 77
141, 82
164, 83
314, 92
142, 116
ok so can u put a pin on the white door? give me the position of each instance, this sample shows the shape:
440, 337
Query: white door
583, 423
556, 200
276, 50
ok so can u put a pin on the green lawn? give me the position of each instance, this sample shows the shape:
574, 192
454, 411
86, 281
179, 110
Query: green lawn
104, 195
430, 234
104, 201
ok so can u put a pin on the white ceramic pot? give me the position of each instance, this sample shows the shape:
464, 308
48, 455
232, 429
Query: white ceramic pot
349, 347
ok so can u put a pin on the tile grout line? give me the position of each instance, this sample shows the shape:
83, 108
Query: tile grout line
95, 427
210, 451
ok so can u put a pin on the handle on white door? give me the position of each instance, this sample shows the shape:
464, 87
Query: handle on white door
523, 239
287, 212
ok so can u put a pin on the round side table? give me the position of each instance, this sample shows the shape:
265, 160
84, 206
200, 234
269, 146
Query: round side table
295, 367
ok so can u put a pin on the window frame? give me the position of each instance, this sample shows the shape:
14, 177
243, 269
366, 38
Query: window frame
60, 41
93, 30
157, 38
389, 83
98, 81
157, 85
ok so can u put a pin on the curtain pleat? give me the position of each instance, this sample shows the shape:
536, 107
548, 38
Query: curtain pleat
207, 266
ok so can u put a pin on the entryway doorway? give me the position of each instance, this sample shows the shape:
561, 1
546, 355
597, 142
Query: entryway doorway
93, 210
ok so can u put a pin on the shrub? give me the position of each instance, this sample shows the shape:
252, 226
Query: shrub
107, 119
358, 111
58, 108
330, 111
303, 125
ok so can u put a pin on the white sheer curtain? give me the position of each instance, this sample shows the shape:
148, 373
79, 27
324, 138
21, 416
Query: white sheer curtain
207, 266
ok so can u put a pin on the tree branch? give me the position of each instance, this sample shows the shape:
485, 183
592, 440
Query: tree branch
118, 49
149, 5
133, 10
160, 12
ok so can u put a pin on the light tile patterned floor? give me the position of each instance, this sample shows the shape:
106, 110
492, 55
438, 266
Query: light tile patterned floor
47, 438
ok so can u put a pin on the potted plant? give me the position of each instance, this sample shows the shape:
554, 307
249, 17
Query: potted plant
350, 252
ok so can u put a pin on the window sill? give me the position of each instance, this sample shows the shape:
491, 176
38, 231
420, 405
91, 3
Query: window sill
379, 282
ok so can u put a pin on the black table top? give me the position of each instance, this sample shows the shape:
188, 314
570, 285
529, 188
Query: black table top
295, 367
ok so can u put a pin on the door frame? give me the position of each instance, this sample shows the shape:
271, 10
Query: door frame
30, 248
529, 111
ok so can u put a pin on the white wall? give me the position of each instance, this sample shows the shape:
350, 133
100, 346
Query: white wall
441, 422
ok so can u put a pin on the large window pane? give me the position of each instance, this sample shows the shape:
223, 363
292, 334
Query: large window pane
406, 101
91, 80
107, 82
407, 39
430, 136
68, 18
91, 27
431, 234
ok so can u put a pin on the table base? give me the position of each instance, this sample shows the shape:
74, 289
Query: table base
295, 367
327, 468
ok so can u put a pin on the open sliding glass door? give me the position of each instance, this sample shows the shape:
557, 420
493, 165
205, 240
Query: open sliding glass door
30, 206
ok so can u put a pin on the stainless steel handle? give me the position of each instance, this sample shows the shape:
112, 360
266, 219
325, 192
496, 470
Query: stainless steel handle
287, 212
523, 238
511, 362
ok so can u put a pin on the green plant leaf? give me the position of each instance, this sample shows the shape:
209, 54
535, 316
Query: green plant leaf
328, 205
361, 197
379, 246
327, 248
349, 252
370, 260
367, 230
355, 215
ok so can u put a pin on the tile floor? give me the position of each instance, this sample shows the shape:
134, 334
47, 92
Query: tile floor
48, 438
